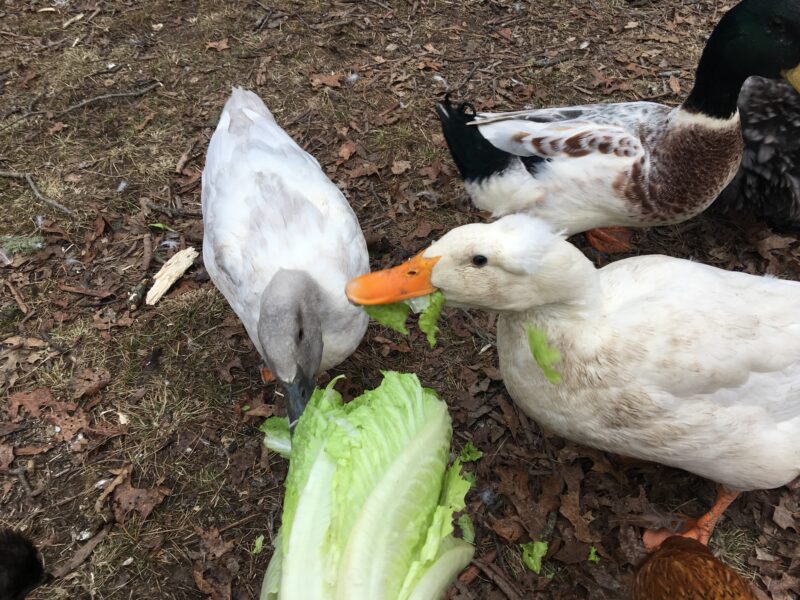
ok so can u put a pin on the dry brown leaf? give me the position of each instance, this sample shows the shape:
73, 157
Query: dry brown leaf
363, 171
224, 371
400, 166
89, 381
347, 150
570, 508
6, 456
31, 401
333, 80
219, 45
142, 500
213, 543
674, 85
784, 516
212, 579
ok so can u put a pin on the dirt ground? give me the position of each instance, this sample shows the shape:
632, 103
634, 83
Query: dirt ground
124, 449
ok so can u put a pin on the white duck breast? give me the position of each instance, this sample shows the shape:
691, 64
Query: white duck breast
269, 209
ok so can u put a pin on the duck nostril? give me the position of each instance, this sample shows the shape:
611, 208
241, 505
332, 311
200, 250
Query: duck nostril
413, 272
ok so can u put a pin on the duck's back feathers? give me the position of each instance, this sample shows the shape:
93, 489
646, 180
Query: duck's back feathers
597, 165
267, 205
768, 181
21, 569
685, 569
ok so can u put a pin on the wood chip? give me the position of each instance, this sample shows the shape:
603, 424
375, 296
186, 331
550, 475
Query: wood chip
172, 270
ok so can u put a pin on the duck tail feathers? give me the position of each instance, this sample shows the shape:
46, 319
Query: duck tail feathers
475, 157
242, 100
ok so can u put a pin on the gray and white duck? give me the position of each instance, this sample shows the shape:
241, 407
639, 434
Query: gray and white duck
281, 242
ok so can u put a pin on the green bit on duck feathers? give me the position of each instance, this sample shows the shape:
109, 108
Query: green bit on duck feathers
545, 355
647, 163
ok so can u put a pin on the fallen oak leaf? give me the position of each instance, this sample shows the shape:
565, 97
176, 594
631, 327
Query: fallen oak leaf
89, 381
141, 500
6, 456
219, 45
400, 166
332, 80
213, 543
346, 150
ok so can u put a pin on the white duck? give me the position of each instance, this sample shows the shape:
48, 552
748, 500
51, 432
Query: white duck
661, 359
632, 164
281, 242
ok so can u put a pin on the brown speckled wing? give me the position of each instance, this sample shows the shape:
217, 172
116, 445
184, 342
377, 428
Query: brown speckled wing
684, 569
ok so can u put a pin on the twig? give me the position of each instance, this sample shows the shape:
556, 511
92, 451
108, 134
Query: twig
82, 554
172, 212
498, 579
29, 178
466, 79
86, 291
89, 101
20, 302
186, 155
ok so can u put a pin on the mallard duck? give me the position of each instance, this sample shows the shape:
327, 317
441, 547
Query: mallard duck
768, 181
654, 358
631, 164
685, 569
21, 568
281, 242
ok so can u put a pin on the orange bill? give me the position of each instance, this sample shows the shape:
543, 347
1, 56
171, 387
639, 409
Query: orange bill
409, 280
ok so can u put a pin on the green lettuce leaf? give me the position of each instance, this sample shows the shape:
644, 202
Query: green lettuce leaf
392, 316
276, 435
470, 453
467, 528
532, 555
430, 317
369, 503
544, 355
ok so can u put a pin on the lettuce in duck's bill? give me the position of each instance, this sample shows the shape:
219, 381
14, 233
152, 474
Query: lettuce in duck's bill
389, 295
370, 499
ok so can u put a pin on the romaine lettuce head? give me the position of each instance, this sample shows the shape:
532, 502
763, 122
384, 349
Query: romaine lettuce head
369, 502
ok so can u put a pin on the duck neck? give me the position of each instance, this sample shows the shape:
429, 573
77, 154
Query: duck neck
567, 284
717, 86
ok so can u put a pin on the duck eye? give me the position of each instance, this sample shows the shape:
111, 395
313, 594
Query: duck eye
778, 25
479, 260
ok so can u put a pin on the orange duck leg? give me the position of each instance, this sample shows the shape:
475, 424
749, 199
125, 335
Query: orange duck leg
700, 529
610, 240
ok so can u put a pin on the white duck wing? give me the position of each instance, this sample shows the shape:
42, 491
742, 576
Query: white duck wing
607, 129
739, 338
267, 205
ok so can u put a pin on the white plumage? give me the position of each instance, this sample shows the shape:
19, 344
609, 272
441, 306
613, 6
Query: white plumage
267, 206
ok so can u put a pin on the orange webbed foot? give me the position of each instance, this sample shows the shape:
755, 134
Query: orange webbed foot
610, 240
266, 375
700, 529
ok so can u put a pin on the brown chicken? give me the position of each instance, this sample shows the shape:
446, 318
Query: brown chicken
685, 569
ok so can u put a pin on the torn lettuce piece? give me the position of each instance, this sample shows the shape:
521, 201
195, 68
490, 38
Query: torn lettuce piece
276, 435
430, 317
467, 528
532, 555
470, 453
545, 355
392, 316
